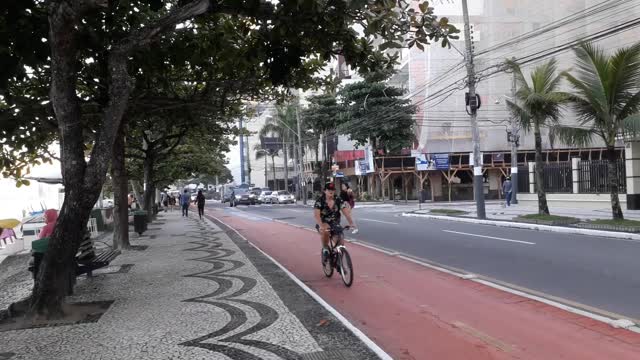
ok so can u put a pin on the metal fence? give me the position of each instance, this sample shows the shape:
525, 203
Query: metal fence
594, 176
523, 179
558, 177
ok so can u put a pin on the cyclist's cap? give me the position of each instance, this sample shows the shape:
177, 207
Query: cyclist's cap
330, 186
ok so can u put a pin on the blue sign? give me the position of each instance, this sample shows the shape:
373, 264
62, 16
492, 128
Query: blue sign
339, 174
441, 161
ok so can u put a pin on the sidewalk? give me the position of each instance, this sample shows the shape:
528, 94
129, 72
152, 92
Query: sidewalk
414, 312
192, 293
495, 210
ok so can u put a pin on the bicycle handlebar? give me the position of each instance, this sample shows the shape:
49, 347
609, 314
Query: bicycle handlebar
343, 228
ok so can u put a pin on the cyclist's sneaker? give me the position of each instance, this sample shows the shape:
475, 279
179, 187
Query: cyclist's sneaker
355, 231
325, 255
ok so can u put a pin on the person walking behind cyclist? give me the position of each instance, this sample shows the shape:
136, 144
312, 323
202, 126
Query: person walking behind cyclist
507, 190
184, 202
200, 201
348, 197
327, 209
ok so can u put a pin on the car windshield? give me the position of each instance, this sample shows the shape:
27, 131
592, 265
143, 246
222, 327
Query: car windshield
283, 193
266, 192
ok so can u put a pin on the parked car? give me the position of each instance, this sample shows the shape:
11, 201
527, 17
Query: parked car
284, 197
264, 197
243, 197
253, 197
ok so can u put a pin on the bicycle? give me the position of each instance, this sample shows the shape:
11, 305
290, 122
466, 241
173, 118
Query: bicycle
339, 258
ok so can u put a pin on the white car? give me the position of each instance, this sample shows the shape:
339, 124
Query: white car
283, 197
264, 197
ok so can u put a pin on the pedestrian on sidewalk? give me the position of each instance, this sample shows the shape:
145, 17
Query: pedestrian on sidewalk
507, 189
172, 202
184, 202
200, 200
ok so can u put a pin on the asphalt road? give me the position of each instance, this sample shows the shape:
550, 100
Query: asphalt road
599, 272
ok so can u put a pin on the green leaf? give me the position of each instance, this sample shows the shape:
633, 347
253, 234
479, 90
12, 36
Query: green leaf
424, 7
26, 182
18, 183
390, 44
420, 46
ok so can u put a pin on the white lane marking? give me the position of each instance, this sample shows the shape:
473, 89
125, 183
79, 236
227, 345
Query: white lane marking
490, 237
378, 221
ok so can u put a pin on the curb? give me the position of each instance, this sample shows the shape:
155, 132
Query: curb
519, 225
357, 332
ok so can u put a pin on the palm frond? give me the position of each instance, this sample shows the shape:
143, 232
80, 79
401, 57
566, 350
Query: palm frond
270, 129
624, 74
575, 136
631, 125
585, 103
517, 71
631, 107
593, 70
523, 117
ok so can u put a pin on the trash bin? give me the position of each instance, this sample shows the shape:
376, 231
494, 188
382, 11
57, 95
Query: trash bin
38, 248
140, 221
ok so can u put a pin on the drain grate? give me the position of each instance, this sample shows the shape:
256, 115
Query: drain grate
330, 355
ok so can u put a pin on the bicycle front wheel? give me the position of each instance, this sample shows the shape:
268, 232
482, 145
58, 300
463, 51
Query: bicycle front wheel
327, 267
346, 267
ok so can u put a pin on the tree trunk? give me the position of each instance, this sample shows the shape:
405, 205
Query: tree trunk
120, 193
612, 164
266, 179
149, 186
273, 167
543, 209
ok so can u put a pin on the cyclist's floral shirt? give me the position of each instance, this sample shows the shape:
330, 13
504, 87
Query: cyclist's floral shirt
328, 215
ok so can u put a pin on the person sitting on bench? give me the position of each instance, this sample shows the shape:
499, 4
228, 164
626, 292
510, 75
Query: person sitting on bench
50, 218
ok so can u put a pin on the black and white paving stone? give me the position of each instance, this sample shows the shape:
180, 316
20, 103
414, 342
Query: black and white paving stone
194, 293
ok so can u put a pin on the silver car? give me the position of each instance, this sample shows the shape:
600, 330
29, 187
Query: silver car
264, 197
283, 197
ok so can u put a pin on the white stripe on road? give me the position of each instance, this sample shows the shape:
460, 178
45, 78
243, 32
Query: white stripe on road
378, 221
490, 237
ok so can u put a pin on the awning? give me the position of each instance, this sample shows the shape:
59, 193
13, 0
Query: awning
348, 155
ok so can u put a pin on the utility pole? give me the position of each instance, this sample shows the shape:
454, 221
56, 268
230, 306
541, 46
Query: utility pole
301, 184
248, 155
241, 153
478, 178
515, 137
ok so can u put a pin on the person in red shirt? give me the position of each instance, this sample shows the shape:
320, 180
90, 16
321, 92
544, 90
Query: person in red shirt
50, 218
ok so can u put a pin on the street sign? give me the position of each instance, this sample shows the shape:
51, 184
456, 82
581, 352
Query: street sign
422, 164
441, 161
339, 174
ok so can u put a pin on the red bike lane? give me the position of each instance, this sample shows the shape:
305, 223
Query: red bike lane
413, 312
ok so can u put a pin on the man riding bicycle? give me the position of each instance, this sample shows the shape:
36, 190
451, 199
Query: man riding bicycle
327, 214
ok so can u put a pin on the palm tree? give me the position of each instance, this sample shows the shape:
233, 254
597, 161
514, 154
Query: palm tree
538, 105
263, 153
606, 102
282, 126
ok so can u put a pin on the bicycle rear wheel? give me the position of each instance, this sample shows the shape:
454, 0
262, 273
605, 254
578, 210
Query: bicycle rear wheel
327, 266
346, 267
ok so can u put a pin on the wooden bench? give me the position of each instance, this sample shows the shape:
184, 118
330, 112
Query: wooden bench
101, 259
88, 258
